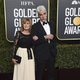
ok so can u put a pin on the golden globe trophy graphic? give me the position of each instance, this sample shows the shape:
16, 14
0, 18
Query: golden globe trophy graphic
76, 21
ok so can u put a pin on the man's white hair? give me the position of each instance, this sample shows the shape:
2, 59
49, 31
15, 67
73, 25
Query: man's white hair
41, 8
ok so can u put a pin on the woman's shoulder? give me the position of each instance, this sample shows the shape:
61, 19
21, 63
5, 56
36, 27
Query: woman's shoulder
18, 33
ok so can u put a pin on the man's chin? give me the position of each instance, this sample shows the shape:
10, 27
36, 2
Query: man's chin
44, 20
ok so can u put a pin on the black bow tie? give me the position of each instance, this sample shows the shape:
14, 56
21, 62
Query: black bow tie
44, 23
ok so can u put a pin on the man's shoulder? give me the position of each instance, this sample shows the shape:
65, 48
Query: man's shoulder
50, 22
35, 24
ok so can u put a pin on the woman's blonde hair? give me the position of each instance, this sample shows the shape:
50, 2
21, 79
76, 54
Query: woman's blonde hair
23, 21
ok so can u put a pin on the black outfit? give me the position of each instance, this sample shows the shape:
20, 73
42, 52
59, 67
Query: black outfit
23, 48
23, 41
44, 52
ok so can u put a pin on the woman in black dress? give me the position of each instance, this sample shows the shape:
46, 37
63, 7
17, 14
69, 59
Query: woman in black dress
25, 70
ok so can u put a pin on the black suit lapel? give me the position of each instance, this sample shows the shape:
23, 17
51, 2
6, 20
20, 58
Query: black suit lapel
51, 29
41, 28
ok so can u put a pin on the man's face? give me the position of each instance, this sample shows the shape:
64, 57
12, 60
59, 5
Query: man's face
43, 16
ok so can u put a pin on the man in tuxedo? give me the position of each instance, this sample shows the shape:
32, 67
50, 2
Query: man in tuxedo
45, 45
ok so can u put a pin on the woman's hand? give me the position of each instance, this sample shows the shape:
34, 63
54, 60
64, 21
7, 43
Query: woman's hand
35, 38
14, 61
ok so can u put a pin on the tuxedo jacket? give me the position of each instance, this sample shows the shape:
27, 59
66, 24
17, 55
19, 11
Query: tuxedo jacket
42, 49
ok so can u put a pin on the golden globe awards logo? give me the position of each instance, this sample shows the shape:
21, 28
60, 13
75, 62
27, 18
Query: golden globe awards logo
24, 13
68, 20
72, 21
15, 10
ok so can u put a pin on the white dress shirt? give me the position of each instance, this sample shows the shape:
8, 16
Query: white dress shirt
47, 29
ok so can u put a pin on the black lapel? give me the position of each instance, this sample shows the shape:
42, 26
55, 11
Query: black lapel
41, 28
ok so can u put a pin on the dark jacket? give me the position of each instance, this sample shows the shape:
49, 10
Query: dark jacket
42, 49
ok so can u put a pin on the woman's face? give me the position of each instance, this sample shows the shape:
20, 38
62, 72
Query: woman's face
26, 25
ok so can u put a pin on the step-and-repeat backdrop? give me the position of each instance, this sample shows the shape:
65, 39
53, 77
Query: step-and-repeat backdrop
68, 19
16, 9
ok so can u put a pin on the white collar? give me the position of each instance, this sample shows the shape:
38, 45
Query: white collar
42, 22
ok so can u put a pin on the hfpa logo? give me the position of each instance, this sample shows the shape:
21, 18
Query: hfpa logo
75, 2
